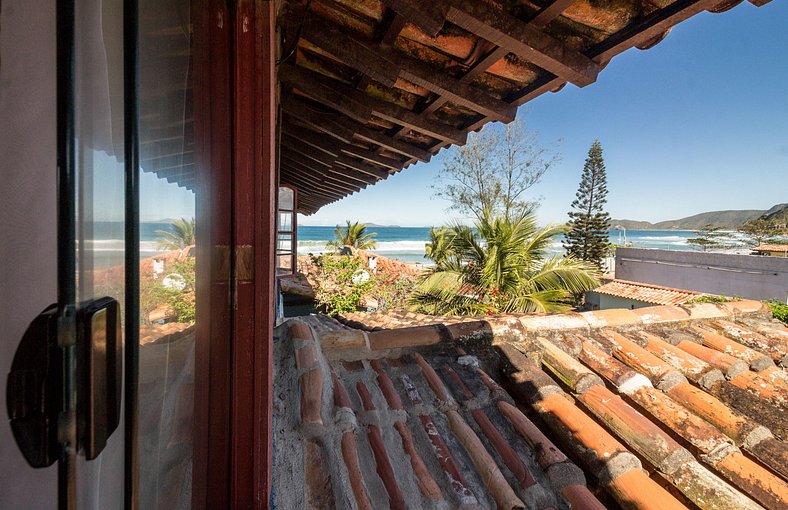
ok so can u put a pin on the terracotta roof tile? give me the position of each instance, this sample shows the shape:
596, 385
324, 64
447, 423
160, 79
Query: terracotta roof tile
646, 293
428, 424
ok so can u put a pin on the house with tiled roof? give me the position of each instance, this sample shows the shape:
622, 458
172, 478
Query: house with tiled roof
773, 250
626, 294
676, 406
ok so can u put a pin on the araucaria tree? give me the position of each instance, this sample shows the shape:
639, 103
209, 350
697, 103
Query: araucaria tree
588, 237
493, 171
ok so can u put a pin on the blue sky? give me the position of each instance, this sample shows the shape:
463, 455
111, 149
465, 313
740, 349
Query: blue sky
697, 123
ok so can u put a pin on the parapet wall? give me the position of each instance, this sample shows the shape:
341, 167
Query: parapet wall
747, 276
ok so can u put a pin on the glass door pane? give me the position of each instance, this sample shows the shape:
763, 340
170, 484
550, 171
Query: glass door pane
168, 255
100, 206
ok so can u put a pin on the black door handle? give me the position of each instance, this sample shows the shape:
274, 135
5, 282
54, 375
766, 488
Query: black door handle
34, 393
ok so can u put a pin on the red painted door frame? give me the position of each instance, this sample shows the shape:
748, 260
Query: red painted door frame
235, 111
255, 193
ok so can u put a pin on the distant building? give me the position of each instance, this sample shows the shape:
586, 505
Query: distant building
632, 295
772, 250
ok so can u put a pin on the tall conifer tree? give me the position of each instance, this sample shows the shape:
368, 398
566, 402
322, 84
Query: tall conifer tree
588, 237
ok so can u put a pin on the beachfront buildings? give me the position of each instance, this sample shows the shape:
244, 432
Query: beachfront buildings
119, 118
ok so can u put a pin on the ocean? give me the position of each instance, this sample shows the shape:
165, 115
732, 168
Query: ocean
407, 243
400, 243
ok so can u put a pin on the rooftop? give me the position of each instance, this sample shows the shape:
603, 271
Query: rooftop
646, 293
661, 407
782, 248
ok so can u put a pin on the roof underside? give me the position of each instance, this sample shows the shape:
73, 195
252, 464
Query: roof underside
370, 87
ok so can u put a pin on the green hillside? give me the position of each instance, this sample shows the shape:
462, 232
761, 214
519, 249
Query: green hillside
722, 219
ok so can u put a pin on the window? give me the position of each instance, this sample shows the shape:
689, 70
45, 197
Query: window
286, 235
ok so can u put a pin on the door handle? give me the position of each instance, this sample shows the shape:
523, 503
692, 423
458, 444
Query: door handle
34, 397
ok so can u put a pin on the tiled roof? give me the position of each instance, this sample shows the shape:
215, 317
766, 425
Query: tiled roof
772, 247
670, 408
646, 293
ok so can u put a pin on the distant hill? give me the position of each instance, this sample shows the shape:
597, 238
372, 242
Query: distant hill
385, 226
777, 213
721, 219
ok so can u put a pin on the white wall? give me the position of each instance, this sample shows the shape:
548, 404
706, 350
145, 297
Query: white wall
747, 276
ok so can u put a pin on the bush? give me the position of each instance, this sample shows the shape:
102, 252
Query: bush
710, 299
334, 286
779, 310
392, 290
179, 299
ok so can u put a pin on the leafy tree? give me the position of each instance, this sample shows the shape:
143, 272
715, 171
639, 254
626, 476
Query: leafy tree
181, 235
588, 237
502, 266
355, 235
711, 238
493, 171
760, 231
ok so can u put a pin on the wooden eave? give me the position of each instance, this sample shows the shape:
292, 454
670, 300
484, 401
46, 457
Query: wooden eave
370, 87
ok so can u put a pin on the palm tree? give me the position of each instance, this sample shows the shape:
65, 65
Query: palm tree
181, 235
355, 235
438, 249
501, 267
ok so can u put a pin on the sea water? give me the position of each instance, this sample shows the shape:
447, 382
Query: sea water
400, 243
407, 243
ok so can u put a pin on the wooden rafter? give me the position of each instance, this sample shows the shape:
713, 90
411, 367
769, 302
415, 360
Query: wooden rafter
336, 148
344, 129
523, 40
385, 65
429, 16
360, 107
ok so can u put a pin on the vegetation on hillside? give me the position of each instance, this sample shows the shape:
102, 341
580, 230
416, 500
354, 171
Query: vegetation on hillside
763, 231
711, 238
494, 170
355, 235
502, 266
729, 220
588, 237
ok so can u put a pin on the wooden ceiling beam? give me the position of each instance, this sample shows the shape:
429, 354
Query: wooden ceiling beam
315, 139
356, 104
318, 87
344, 129
385, 65
307, 151
429, 16
523, 40
336, 148
550, 12
304, 187
321, 180
334, 172
361, 166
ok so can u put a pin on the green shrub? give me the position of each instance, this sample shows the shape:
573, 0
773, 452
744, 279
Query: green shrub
779, 310
180, 301
334, 286
710, 299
